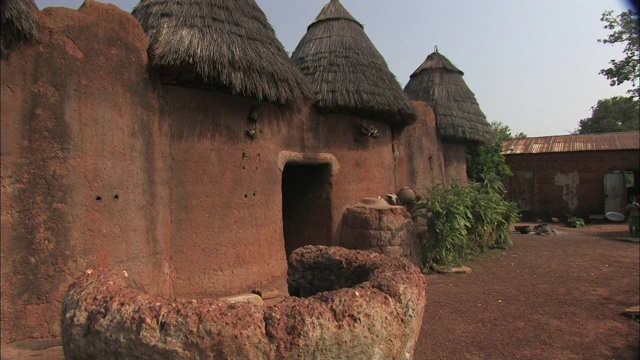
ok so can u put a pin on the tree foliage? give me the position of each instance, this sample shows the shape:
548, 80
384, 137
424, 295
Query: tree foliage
625, 31
486, 160
618, 113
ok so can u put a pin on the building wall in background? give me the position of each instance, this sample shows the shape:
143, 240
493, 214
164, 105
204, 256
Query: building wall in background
570, 182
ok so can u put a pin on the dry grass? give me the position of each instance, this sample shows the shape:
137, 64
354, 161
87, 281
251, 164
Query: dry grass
347, 73
19, 24
458, 116
220, 44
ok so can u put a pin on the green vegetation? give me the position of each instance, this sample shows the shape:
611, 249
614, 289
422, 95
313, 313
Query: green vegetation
574, 222
625, 31
618, 113
464, 221
487, 159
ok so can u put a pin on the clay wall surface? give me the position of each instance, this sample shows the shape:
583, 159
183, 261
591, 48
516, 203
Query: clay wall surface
225, 193
104, 167
365, 166
419, 153
560, 178
226, 196
82, 169
455, 163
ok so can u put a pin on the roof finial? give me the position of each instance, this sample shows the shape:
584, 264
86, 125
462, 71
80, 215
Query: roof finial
435, 49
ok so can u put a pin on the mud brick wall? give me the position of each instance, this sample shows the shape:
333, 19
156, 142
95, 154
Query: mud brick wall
585, 172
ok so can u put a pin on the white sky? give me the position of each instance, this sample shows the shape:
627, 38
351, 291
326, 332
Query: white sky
533, 64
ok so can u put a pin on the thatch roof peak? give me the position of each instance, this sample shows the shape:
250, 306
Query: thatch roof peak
334, 10
224, 45
18, 24
458, 116
437, 61
347, 73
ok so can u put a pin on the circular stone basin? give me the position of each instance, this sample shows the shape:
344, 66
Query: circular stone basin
348, 304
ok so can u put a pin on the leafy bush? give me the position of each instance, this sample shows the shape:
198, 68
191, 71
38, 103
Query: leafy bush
574, 221
463, 221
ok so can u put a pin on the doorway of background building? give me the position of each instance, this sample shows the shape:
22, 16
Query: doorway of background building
306, 205
615, 192
521, 191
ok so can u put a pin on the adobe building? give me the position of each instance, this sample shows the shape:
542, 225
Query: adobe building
582, 175
187, 150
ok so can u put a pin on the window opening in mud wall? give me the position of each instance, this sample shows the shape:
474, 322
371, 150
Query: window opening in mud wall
306, 205
632, 182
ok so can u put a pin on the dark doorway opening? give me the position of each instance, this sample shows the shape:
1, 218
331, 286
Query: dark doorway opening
306, 205
521, 191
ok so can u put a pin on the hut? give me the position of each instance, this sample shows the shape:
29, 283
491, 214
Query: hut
347, 73
227, 46
145, 152
19, 24
459, 120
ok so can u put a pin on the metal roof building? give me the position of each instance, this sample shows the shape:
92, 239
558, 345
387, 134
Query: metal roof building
569, 143
583, 175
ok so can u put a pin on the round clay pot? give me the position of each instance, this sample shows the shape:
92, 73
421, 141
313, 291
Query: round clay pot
406, 195
524, 229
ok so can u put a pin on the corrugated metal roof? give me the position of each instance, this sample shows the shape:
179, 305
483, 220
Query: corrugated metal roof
569, 143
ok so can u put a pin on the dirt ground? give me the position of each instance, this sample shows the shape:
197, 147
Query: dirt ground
549, 297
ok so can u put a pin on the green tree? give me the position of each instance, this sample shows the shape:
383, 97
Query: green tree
486, 161
618, 113
625, 31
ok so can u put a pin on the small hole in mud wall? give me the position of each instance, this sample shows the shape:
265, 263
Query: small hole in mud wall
116, 197
306, 205
98, 197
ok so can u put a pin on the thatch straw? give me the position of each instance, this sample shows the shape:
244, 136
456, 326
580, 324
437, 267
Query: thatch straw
347, 74
19, 24
458, 116
225, 45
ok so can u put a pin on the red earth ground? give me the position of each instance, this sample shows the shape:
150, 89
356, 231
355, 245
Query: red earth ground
548, 297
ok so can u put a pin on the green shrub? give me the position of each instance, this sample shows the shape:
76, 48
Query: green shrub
574, 221
448, 215
463, 221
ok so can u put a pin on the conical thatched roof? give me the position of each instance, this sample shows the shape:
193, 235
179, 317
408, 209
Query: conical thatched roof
347, 74
458, 116
225, 45
19, 23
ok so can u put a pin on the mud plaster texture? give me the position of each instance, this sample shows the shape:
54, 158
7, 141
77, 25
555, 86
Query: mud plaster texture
386, 229
350, 305
78, 163
420, 159
455, 160
104, 167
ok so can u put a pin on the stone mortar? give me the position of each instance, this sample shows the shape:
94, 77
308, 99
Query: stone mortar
350, 305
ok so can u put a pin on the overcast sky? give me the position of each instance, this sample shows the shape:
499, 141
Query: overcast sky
533, 64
